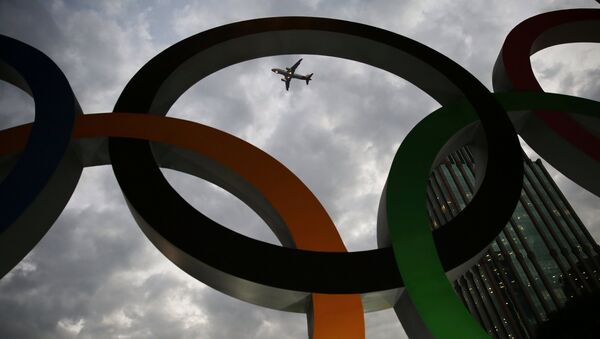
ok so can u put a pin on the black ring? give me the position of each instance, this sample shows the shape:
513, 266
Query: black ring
260, 272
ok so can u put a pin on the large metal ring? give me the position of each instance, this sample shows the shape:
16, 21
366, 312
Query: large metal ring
227, 260
37, 187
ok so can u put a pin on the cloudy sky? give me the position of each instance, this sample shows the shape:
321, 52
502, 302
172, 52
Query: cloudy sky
95, 275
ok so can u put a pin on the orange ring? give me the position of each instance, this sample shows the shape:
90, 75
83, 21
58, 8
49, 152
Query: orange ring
333, 316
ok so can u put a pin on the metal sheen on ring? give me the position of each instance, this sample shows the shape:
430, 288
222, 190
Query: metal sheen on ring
311, 273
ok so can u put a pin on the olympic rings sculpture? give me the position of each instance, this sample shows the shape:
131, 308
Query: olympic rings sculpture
311, 272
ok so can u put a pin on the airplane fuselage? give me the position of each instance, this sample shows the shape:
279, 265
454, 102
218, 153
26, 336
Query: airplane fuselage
288, 74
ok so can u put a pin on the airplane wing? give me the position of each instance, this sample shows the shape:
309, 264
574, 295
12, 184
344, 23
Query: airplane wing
293, 68
287, 83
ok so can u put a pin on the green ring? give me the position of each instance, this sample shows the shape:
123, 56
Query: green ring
407, 216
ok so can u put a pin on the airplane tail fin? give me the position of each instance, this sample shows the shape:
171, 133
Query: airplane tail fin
308, 78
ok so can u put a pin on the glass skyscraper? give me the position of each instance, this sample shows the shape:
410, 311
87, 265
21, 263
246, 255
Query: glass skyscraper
543, 260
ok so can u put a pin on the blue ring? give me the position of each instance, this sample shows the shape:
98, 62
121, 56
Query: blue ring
55, 107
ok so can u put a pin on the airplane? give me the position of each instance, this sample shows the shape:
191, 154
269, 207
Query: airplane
288, 74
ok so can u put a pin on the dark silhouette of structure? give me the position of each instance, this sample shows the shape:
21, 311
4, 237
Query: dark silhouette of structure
543, 262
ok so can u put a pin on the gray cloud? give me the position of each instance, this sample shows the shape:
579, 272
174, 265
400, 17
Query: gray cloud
96, 275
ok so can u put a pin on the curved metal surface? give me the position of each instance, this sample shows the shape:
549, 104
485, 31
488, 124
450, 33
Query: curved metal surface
158, 84
194, 145
314, 258
38, 186
571, 146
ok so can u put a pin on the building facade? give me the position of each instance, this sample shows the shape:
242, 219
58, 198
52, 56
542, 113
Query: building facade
544, 260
